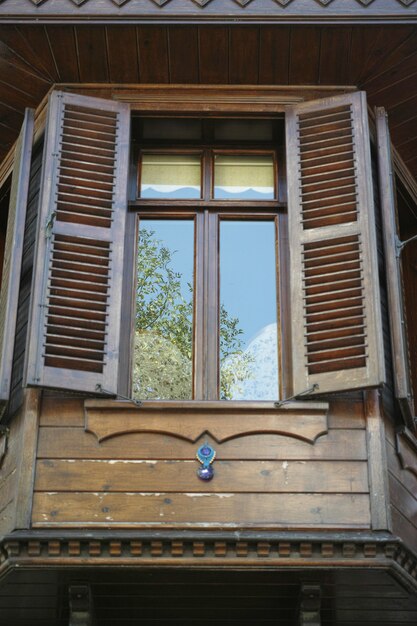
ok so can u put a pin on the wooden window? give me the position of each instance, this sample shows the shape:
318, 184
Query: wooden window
329, 326
206, 297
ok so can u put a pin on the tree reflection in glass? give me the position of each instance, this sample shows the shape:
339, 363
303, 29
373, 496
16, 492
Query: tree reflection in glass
163, 351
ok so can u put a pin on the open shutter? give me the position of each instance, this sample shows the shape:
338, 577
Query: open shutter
335, 304
76, 304
13, 253
399, 344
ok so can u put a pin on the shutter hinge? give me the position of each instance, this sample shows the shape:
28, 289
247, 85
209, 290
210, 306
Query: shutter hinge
400, 245
49, 224
306, 392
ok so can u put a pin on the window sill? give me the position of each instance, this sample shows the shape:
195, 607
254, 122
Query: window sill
194, 420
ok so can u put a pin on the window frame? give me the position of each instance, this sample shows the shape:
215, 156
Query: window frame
208, 213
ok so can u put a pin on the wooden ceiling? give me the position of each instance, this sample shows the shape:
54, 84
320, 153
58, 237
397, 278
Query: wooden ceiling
208, 598
379, 59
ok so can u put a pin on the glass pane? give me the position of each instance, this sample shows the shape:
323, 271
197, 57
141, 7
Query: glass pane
171, 176
243, 130
248, 311
243, 177
174, 128
163, 346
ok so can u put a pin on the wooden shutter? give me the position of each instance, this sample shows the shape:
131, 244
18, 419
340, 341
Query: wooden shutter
13, 253
399, 345
335, 304
76, 304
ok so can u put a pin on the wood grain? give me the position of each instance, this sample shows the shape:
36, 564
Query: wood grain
318, 510
177, 476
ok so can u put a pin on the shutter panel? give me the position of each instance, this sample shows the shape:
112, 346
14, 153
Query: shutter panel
399, 345
335, 304
13, 253
76, 304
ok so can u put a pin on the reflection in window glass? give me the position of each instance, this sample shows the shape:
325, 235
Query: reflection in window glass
243, 177
243, 130
171, 128
170, 176
163, 347
248, 311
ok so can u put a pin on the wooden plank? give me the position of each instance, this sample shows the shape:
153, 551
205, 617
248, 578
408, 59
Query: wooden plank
402, 528
404, 501
39, 53
304, 68
122, 54
244, 55
92, 54
377, 465
74, 443
335, 44
236, 476
362, 55
213, 45
183, 54
281, 510
406, 478
7, 518
153, 54
64, 50
274, 50
27, 457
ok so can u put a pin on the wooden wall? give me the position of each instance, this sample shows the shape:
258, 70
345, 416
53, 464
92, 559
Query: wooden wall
16, 466
261, 480
402, 477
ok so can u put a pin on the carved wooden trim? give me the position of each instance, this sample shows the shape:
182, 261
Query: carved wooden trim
251, 550
302, 11
310, 603
406, 447
190, 422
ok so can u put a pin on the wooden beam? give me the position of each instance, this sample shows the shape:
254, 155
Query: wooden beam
81, 606
310, 602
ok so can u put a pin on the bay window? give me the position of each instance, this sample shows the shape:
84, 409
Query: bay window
196, 280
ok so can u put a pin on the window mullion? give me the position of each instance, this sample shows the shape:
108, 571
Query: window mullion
199, 309
212, 307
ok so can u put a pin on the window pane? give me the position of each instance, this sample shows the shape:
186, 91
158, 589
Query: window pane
163, 346
248, 311
171, 176
244, 177
243, 130
174, 128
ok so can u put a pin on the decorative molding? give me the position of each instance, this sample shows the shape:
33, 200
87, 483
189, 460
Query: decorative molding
210, 550
406, 447
283, 3
105, 420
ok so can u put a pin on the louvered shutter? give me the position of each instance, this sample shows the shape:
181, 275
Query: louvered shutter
399, 346
335, 304
76, 304
13, 253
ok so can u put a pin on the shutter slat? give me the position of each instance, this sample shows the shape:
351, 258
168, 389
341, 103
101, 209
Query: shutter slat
13, 252
336, 331
78, 328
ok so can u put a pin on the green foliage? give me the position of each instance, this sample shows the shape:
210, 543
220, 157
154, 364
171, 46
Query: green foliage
164, 330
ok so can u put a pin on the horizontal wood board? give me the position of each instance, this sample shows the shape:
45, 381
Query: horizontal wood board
150, 478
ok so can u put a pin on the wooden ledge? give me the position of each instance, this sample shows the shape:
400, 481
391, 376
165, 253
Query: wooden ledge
193, 420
